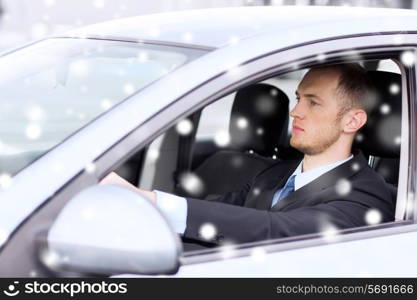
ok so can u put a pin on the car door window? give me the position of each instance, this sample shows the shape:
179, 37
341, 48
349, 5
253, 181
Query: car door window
215, 120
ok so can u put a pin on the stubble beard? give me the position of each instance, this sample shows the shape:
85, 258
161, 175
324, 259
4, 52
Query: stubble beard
319, 142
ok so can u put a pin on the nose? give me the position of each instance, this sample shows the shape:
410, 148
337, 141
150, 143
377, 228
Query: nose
297, 111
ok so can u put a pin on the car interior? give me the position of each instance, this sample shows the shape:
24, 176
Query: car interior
256, 132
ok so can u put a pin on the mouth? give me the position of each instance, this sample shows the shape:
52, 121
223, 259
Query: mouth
297, 129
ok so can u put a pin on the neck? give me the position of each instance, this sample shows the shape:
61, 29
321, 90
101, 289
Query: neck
330, 155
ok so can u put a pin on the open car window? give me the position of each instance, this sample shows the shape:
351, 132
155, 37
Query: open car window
214, 164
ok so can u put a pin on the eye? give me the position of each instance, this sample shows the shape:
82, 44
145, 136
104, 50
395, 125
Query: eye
313, 103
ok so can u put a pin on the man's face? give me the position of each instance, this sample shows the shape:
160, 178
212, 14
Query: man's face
316, 125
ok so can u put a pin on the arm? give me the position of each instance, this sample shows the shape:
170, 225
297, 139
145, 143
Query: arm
242, 224
173, 207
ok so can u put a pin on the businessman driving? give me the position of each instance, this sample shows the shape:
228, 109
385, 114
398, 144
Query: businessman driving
297, 197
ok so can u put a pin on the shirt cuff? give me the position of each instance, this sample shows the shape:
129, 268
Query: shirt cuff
174, 208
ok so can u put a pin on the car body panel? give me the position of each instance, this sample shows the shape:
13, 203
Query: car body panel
372, 257
363, 257
225, 26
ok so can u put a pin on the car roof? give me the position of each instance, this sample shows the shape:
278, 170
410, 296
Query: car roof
214, 28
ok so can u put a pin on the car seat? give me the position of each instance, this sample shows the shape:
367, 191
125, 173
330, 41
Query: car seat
258, 122
379, 139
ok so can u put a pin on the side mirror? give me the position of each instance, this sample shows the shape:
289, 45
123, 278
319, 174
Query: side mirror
107, 230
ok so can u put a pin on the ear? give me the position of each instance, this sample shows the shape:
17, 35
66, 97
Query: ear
354, 120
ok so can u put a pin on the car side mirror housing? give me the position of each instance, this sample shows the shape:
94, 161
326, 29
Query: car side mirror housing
108, 230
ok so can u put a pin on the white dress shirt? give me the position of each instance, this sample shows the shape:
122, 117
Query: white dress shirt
175, 207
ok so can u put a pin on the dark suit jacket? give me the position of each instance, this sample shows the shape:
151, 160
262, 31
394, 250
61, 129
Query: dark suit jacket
247, 216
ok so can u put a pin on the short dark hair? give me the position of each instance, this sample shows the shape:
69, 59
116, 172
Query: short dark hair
354, 87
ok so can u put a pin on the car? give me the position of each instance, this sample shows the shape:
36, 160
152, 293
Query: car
152, 98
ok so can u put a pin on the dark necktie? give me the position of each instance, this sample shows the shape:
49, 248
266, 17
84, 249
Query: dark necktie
285, 191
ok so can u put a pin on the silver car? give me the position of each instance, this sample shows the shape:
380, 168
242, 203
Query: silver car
150, 96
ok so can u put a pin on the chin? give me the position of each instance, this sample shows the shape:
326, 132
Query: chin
302, 147
297, 145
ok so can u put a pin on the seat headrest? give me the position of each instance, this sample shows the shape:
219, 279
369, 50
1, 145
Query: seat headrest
259, 118
381, 134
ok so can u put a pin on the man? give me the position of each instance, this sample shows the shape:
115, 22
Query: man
331, 188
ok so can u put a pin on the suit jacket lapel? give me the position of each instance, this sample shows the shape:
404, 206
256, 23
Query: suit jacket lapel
274, 179
330, 178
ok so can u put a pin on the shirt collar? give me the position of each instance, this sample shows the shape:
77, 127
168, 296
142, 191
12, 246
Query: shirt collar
303, 178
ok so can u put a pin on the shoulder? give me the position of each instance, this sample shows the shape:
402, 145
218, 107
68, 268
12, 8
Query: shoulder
368, 189
368, 176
